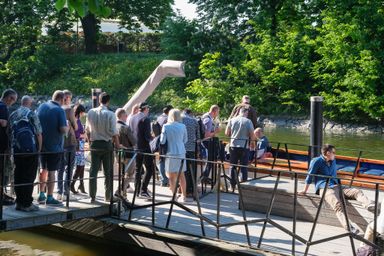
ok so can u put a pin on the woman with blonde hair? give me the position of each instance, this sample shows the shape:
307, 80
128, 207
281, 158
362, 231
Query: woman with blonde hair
174, 135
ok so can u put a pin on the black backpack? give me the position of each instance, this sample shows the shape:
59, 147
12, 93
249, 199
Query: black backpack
156, 128
201, 132
24, 136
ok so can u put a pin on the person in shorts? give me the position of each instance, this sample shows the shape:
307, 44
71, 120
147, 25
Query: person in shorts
54, 125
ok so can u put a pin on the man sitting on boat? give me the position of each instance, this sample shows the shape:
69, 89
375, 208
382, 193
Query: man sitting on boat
326, 165
262, 145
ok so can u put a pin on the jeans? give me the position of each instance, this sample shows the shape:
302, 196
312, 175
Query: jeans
102, 153
163, 176
236, 155
25, 173
67, 165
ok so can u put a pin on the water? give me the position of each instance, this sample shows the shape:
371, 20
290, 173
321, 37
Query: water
41, 242
348, 144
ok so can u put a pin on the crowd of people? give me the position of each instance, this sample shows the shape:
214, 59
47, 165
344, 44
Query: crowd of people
52, 138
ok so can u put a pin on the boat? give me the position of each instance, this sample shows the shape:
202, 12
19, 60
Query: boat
360, 172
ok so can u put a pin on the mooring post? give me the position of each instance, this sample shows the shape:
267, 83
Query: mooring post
316, 138
95, 97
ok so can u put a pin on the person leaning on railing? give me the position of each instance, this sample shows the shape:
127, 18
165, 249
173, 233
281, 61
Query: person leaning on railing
326, 165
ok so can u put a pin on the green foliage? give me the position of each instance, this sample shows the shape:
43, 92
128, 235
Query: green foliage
291, 50
118, 74
82, 7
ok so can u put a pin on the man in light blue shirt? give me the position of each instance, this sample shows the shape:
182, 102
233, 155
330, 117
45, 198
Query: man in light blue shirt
326, 165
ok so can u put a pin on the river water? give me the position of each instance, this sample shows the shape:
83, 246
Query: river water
349, 144
372, 145
36, 242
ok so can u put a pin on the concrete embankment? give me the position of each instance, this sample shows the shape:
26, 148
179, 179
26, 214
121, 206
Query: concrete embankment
303, 123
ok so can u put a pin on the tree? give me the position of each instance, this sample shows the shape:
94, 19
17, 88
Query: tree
132, 14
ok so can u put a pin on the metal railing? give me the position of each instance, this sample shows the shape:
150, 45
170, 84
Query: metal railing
217, 172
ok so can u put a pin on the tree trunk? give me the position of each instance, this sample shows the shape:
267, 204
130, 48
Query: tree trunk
89, 24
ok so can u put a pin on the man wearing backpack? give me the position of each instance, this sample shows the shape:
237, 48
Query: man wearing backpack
26, 138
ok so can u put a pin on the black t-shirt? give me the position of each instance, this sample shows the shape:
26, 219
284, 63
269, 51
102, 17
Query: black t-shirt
4, 115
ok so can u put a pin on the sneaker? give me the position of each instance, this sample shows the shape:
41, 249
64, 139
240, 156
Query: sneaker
59, 197
31, 208
354, 230
205, 180
184, 199
42, 198
130, 190
145, 194
92, 200
53, 201
7, 197
114, 199
371, 207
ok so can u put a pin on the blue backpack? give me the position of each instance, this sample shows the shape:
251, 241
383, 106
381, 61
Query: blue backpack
24, 136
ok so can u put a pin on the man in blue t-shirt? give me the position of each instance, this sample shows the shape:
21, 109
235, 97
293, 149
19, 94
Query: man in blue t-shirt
326, 165
54, 125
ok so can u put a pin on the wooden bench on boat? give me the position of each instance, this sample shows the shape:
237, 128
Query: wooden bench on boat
258, 193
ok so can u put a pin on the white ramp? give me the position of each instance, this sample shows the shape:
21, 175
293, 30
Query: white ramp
167, 68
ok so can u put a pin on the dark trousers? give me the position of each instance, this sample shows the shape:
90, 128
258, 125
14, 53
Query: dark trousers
212, 147
190, 170
25, 173
149, 167
238, 155
102, 153
67, 165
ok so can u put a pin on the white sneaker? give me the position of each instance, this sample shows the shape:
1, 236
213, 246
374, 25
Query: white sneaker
184, 199
354, 230
59, 197
371, 207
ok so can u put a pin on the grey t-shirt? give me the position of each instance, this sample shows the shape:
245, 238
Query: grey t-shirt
240, 127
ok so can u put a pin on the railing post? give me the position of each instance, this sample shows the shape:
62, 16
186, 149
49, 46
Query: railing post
120, 182
376, 213
69, 177
294, 214
316, 138
153, 159
316, 218
174, 194
344, 206
2, 185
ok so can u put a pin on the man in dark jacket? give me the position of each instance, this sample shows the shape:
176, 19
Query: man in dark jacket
141, 128
127, 141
